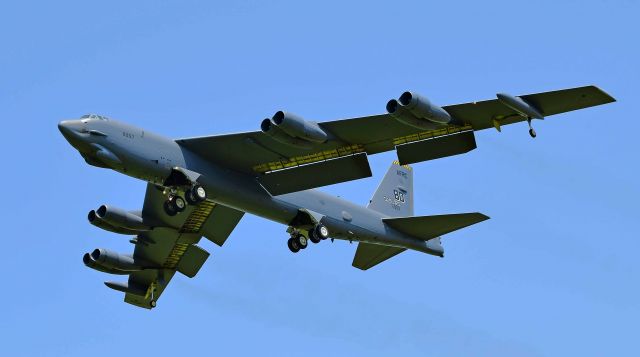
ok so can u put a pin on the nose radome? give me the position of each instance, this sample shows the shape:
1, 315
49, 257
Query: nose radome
70, 126
63, 126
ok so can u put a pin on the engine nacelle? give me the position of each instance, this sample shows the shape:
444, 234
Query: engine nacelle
417, 111
100, 223
403, 115
110, 262
422, 108
299, 128
120, 218
281, 136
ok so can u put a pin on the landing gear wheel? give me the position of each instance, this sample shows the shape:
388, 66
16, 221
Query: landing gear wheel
169, 208
152, 303
293, 245
179, 203
195, 194
321, 232
199, 193
301, 241
313, 237
189, 197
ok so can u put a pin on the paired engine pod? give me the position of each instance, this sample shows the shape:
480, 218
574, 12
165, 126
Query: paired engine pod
109, 260
298, 127
422, 108
281, 136
417, 111
120, 218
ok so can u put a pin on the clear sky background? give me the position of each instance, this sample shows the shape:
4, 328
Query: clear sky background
554, 272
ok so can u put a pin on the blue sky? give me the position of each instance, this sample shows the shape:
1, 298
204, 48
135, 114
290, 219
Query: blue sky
554, 272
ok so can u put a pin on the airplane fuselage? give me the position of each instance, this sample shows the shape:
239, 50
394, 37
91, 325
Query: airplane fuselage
150, 157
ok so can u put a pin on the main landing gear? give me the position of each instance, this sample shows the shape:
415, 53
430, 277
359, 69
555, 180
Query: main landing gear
176, 204
298, 241
532, 132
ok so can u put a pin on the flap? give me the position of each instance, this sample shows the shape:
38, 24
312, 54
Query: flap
429, 227
222, 221
369, 255
192, 260
318, 174
436, 148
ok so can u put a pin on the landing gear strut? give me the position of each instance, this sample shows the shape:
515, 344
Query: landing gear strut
152, 302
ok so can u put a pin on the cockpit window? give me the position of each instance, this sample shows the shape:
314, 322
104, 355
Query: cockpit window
94, 116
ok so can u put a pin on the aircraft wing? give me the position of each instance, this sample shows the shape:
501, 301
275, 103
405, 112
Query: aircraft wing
260, 154
171, 246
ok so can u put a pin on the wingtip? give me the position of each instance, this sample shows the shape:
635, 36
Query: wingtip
605, 94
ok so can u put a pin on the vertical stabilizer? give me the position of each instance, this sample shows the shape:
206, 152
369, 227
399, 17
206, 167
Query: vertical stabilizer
394, 196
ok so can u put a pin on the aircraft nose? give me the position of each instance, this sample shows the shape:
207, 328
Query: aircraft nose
72, 130
63, 126
69, 127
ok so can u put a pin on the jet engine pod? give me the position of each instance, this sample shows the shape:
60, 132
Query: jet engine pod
111, 261
95, 220
298, 127
422, 108
88, 260
404, 116
281, 136
120, 218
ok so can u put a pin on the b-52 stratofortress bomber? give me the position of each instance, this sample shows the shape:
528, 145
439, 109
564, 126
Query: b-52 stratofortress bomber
202, 186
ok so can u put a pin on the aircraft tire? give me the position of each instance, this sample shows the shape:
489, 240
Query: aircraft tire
199, 193
301, 241
313, 237
179, 203
321, 231
169, 208
189, 197
293, 246
152, 303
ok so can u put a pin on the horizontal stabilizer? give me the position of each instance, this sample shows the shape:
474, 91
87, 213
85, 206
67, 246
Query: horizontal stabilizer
436, 148
318, 174
429, 227
369, 255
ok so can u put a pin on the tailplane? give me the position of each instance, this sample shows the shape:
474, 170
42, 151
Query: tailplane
394, 196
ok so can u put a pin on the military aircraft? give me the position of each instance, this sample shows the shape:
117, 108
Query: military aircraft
202, 186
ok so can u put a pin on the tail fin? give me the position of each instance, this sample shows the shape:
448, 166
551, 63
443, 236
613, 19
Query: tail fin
394, 196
